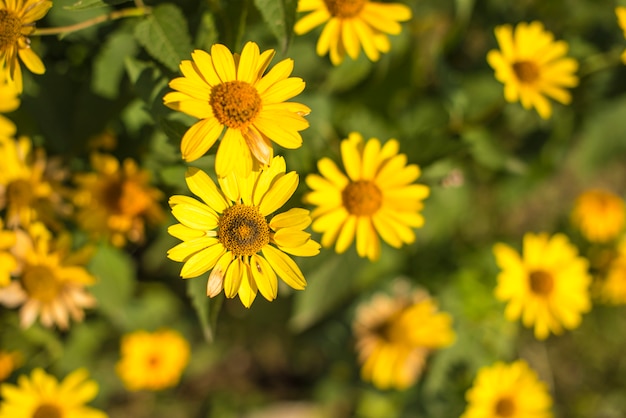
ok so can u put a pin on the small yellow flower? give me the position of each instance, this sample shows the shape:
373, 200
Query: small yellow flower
51, 280
395, 335
532, 65
116, 199
229, 234
548, 286
612, 284
152, 360
352, 24
9, 361
43, 396
8, 263
620, 11
230, 92
508, 391
376, 198
17, 21
599, 215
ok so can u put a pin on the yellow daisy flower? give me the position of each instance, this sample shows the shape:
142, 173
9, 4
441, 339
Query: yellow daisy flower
227, 230
116, 199
395, 334
599, 215
229, 92
9, 361
532, 65
9, 101
508, 391
547, 286
352, 24
377, 197
152, 360
620, 11
51, 280
42, 395
8, 263
17, 21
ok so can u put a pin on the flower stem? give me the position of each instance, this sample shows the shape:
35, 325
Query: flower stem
114, 15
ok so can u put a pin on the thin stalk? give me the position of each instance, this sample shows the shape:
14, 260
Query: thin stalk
114, 15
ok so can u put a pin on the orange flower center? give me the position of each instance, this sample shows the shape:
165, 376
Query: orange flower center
126, 197
505, 407
526, 71
541, 282
243, 230
362, 198
235, 103
46, 410
40, 283
344, 8
10, 29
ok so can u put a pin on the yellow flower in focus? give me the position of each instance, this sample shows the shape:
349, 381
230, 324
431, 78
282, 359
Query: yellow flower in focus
230, 92
43, 396
9, 101
8, 263
352, 24
508, 391
599, 215
377, 197
17, 21
612, 286
152, 360
395, 335
116, 199
9, 361
547, 286
621, 20
229, 234
532, 65
27, 190
51, 280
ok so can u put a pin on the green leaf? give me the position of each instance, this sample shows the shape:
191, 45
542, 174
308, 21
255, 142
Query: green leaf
165, 36
108, 66
150, 85
280, 16
207, 32
207, 309
91, 4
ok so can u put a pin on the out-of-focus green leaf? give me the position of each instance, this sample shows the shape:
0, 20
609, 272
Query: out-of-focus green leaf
164, 34
280, 16
109, 64
91, 4
150, 85
206, 308
207, 32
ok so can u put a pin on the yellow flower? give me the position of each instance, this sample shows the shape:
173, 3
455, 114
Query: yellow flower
352, 24
51, 280
548, 286
226, 232
42, 395
599, 215
17, 21
508, 391
395, 334
9, 361
8, 263
9, 101
26, 189
532, 65
115, 200
612, 286
621, 20
152, 360
377, 197
230, 92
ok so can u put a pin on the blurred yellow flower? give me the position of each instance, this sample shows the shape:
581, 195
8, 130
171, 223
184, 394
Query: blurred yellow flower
352, 24
228, 91
9, 101
17, 21
377, 197
532, 65
395, 334
27, 191
548, 286
508, 391
9, 361
43, 396
152, 360
227, 230
116, 199
612, 286
8, 263
599, 215
51, 280
620, 11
